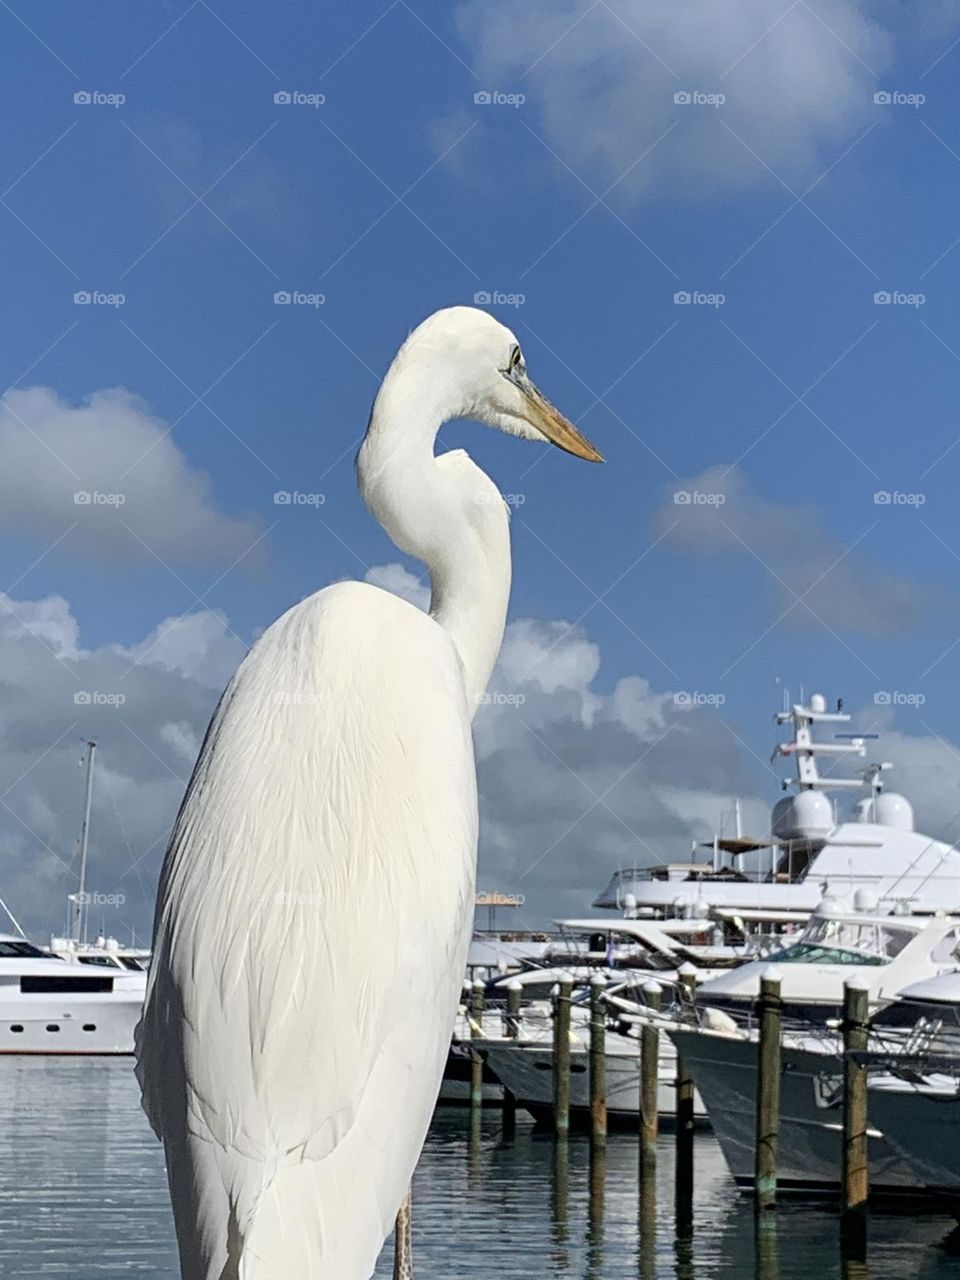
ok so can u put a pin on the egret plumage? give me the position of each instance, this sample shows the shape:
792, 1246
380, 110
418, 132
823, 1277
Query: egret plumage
316, 899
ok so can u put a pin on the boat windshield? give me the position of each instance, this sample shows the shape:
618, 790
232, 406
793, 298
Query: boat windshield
806, 953
827, 941
12, 950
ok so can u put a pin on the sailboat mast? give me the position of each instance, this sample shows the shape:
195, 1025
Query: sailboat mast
80, 915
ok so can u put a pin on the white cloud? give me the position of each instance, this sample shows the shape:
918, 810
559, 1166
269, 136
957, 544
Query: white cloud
600, 81
576, 779
109, 468
842, 587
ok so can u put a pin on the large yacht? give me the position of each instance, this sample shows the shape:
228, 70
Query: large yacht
809, 850
53, 1006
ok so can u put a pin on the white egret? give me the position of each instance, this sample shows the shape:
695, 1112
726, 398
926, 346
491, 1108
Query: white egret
317, 896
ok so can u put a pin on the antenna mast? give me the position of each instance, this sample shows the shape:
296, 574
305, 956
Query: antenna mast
80, 904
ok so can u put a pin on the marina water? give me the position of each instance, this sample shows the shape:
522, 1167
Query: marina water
83, 1196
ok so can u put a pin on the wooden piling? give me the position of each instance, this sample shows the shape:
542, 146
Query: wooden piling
476, 1033
767, 1141
561, 1056
683, 1183
403, 1241
855, 1184
512, 1032
649, 1084
598, 1062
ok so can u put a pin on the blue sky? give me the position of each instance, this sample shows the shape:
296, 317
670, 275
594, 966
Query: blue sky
596, 200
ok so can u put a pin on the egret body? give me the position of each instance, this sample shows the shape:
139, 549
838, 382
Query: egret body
316, 900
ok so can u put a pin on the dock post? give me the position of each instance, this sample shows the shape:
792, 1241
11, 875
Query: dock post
767, 1143
598, 1062
649, 1084
476, 1033
687, 975
512, 1032
561, 1056
856, 1182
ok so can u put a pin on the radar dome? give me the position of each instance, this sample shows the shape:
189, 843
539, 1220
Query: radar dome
807, 816
818, 703
893, 810
866, 902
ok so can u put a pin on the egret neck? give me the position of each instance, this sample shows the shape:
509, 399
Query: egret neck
443, 510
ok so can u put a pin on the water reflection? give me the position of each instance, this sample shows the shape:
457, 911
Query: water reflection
82, 1197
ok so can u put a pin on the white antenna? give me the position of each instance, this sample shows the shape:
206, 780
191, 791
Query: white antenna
80, 900
736, 817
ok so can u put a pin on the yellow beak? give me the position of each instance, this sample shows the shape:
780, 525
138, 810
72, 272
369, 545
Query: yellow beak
550, 422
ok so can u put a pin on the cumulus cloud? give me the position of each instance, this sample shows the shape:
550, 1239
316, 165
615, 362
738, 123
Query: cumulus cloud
147, 709
576, 778
715, 513
797, 81
107, 476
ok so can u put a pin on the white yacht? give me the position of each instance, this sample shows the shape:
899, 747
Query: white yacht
809, 850
914, 1097
52, 1006
889, 953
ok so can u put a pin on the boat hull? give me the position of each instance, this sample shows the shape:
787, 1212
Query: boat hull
811, 1116
527, 1071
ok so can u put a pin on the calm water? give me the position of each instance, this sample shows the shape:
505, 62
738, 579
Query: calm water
82, 1195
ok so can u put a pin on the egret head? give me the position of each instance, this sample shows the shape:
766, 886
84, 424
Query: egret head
477, 366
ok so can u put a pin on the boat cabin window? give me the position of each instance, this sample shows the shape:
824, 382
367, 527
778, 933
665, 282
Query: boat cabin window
846, 942
947, 950
105, 962
129, 962
11, 949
